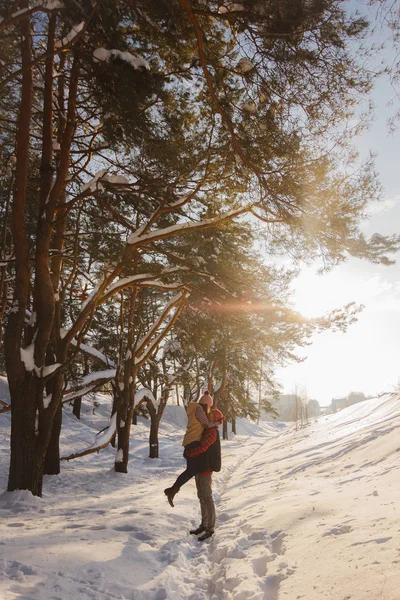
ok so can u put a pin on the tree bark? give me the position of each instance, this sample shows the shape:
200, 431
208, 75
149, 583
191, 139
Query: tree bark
52, 459
225, 430
25, 470
127, 396
234, 425
26, 466
76, 409
153, 437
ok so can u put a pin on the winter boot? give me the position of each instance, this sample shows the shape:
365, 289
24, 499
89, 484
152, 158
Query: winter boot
205, 536
170, 493
200, 529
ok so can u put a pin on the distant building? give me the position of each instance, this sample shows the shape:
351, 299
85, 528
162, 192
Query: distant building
349, 400
288, 408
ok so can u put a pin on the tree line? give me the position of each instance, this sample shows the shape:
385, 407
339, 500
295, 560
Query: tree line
156, 160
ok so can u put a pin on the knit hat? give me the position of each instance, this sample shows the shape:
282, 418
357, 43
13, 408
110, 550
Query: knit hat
218, 417
206, 399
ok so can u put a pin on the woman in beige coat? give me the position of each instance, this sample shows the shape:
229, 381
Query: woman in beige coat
199, 419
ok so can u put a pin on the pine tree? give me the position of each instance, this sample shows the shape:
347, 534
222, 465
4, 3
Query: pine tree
123, 128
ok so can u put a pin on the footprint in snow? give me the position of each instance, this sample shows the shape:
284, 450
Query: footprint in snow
338, 530
277, 545
143, 536
272, 584
260, 566
125, 528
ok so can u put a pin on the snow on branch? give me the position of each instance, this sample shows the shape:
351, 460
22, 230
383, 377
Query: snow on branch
142, 280
162, 286
40, 6
98, 376
157, 324
78, 393
27, 357
76, 29
102, 176
125, 282
92, 184
90, 351
4, 407
142, 395
152, 346
88, 383
91, 296
138, 238
102, 441
103, 55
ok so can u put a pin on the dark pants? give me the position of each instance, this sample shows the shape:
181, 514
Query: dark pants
204, 494
192, 467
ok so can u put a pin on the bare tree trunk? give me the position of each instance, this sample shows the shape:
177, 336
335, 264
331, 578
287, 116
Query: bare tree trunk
76, 408
234, 425
26, 467
4, 243
114, 409
156, 416
153, 437
77, 404
126, 404
52, 459
225, 430
25, 470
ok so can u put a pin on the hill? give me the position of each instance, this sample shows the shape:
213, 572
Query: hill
311, 514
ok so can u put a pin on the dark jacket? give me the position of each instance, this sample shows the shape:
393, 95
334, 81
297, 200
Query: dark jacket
205, 456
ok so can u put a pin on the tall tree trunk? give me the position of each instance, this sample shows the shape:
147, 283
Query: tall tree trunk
156, 416
153, 437
76, 408
234, 425
114, 408
52, 459
26, 467
25, 471
124, 421
5, 243
225, 430
77, 404
126, 405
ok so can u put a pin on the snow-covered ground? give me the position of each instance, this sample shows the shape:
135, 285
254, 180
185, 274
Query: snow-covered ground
312, 514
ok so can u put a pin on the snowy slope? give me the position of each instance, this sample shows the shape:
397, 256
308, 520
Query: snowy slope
311, 514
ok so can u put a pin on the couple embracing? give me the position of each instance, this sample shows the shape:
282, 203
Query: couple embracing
203, 457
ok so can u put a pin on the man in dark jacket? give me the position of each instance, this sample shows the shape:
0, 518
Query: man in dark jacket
208, 451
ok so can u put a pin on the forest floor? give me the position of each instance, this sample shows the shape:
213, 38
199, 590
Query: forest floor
312, 514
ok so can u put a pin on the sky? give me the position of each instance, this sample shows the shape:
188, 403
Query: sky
366, 357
